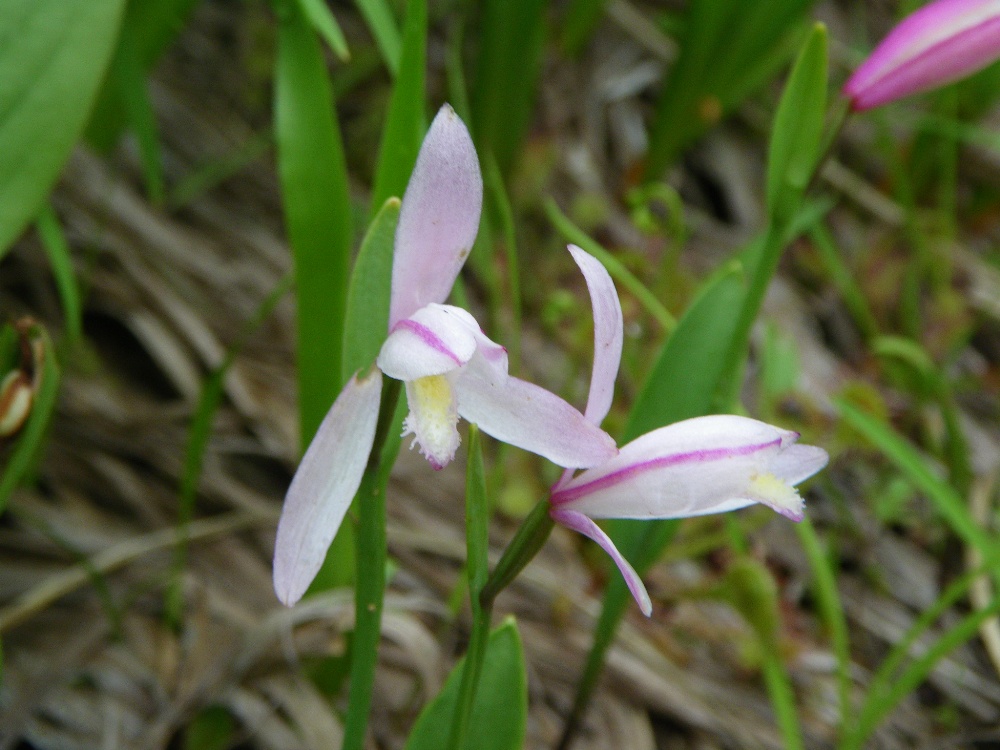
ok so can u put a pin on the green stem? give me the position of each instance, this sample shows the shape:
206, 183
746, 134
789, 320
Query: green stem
782, 699
523, 547
477, 516
369, 592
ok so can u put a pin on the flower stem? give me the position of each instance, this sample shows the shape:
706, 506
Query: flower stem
477, 545
369, 591
523, 547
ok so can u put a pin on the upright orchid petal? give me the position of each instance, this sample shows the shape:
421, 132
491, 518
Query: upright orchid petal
523, 414
939, 43
696, 467
576, 521
608, 334
439, 217
324, 486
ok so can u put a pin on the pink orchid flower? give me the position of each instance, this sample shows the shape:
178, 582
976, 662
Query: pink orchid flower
449, 366
696, 467
939, 43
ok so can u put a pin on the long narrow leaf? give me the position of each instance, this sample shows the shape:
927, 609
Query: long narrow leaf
57, 250
406, 120
378, 16
317, 211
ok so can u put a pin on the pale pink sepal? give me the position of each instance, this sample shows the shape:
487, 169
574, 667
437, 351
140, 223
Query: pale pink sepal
438, 219
526, 415
434, 340
608, 334
324, 486
939, 43
699, 466
576, 521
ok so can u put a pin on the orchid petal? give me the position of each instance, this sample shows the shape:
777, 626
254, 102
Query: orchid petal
523, 414
434, 340
324, 486
695, 467
608, 334
939, 43
439, 217
571, 519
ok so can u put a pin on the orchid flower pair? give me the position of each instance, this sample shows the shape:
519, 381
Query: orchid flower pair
449, 366
451, 369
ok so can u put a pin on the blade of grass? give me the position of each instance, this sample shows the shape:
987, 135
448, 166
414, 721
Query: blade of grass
503, 217
317, 210
130, 78
406, 120
511, 36
913, 465
325, 24
572, 233
378, 16
57, 250
832, 611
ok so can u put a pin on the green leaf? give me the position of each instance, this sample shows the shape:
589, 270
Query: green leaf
367, 320
378, 16
323, 21
31, 439
57, 250
147, 29
53, 56
406, 121
913, 465
798, 129
728, 48
512, 33
687, 373
501, 703
317, 210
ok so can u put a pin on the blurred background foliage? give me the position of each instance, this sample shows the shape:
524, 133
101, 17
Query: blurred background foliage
171, 164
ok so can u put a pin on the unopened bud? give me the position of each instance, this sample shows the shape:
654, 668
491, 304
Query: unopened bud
16, 396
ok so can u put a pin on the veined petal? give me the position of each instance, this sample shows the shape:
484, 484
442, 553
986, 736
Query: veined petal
939, 43
695, 467
523, 414
439, 217
608, 334
324, 486
434, 340
571, 519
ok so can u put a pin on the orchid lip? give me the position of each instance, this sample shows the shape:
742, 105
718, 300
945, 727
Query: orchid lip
563, 496
428, 337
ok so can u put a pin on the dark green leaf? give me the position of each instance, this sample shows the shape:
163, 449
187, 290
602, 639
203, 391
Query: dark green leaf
501, 704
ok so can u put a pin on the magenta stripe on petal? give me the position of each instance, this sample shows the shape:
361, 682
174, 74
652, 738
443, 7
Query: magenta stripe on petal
428, 337
561, 496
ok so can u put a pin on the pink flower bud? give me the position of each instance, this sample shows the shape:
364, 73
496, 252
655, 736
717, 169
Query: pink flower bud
940, 43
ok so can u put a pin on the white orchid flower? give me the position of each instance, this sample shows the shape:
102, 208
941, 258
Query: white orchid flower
449, 366
695, 467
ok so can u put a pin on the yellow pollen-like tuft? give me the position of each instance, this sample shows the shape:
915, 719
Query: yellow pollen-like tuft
776, 493
433, 418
